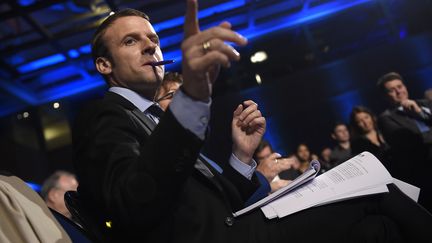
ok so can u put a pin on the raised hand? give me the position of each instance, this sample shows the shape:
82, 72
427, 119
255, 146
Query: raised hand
411, 106
271, 166
203, 52
248, 127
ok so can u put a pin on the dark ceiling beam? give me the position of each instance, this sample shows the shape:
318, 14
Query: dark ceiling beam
76, 18
10, 50
23, 10
42, 31
112, 5
12, 71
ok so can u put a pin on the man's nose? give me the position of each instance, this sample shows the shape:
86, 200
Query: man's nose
149, 48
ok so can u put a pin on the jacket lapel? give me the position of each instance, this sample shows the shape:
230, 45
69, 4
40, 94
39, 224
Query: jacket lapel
226, 188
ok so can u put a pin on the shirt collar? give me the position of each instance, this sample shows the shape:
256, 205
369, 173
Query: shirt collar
139, 101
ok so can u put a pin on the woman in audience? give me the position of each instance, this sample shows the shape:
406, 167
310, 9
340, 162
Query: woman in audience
303, 157
365, 135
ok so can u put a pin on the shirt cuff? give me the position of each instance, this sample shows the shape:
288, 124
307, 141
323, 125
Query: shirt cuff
191, 114
244, 169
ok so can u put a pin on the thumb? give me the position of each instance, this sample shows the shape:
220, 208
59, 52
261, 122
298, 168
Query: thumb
274, 156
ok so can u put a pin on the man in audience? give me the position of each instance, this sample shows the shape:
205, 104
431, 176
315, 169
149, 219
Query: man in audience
324, 159
428, 94
342, 151
406, 126
54, 188
271, 164
143, 170
170, 84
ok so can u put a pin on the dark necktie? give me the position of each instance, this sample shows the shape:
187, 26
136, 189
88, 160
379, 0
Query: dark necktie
155, 112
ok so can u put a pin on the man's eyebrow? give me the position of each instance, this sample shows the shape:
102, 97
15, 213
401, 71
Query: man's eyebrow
136, 34
130, 34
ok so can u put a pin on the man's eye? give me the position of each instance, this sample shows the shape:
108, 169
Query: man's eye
156, 40
130, 41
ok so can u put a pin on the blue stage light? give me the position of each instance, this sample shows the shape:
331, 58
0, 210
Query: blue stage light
202, 14
71, 88
25, 3
302, 17
73, 53
41, 63
86, 49
34, 186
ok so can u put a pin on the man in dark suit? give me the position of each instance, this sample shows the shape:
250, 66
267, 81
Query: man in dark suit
407, 128
144, 173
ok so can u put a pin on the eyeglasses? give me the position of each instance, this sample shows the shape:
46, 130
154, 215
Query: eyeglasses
167, 96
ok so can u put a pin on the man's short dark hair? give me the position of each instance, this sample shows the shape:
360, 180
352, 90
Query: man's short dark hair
263, 144
98, 45
338, 123
52, 182
387, 78
170, 77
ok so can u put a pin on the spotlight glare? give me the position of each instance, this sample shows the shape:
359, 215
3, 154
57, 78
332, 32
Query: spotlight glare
56, 105
259, 57
25, 114
258, 78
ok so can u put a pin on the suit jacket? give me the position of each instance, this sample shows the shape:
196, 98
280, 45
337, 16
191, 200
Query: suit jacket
403, 135
411, 150
147, 180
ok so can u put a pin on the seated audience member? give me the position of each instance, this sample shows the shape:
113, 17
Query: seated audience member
170, 84
324, 159
342, 151
271, 164
365, 135
303, 157
407, 127
54, 188
145, 173
428, 94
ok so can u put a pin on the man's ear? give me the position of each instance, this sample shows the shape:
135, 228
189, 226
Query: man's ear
51, 197
333, 136
103, 65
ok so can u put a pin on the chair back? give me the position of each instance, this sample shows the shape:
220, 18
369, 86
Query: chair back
75, 231
95, 230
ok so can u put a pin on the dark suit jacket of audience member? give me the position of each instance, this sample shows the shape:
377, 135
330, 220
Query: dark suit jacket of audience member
361, 144
411, 149
147, 185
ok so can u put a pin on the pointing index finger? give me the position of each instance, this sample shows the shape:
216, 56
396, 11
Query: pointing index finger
191, 25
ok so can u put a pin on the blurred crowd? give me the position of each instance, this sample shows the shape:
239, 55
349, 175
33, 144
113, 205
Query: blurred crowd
400, 137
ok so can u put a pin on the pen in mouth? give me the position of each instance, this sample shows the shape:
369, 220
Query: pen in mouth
154, 64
